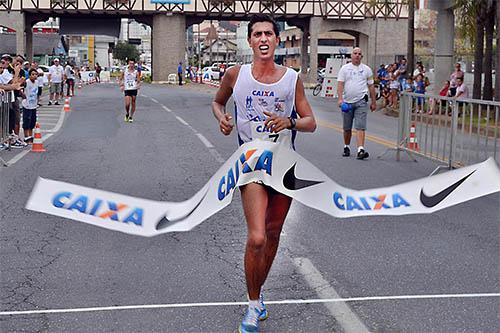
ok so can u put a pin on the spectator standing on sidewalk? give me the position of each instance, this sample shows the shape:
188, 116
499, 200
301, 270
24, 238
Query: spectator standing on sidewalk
355, 80
420, 89
98, 70
39, 80
457, 73
179, 73
56, 72
29, 104
69, 77
12, 76
402, 69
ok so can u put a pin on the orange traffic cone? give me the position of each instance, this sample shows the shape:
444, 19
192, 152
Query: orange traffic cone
37, 146
66, 105
413, 144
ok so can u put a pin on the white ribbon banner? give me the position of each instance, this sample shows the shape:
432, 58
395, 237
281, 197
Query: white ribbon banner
275, 165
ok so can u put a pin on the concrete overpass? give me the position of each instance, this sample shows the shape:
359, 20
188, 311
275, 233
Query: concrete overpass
361, 18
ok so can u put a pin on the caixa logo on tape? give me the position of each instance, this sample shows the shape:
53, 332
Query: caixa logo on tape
376, 202
228, 183
104, 209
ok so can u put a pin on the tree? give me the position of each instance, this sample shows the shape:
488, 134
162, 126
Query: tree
489, 27
497, 71
124, 51
475, 21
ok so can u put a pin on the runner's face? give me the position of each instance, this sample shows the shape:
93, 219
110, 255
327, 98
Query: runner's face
131, 65
263, 41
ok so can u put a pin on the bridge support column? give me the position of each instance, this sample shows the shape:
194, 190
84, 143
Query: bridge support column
29, 42
443, 53
168, 44
314, 30
304, 44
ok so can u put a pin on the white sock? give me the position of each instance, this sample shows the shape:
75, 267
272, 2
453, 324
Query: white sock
360, 147
346, 146
253, 304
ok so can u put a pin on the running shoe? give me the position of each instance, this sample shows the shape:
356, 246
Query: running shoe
126, 118
56, 103
250, 322
28, 139
263, 311
362, 154
50, 103
347, 152
130, 120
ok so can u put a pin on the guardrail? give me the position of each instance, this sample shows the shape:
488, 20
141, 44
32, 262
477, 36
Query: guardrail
454, 132
4, 121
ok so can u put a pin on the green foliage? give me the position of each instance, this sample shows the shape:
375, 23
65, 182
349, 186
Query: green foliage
124, 51
146, 78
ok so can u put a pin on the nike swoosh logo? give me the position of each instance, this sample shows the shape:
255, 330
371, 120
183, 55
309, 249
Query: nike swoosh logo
293, 183
431, 201
164, 222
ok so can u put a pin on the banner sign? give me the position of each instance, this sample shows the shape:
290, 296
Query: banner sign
274, 165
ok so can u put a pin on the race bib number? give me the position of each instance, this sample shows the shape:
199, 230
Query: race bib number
130, 85
260, 132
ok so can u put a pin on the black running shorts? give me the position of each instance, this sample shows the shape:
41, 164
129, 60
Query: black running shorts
131, 92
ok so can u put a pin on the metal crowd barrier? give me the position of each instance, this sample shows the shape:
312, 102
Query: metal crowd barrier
5, 101
454, 132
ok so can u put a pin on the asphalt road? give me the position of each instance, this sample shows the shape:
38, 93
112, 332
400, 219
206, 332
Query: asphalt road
49, 263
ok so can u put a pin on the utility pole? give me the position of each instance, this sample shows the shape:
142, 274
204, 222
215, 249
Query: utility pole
411, 37
199, 48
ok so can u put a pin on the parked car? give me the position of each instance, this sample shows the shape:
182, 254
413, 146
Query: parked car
146, 70
211, 73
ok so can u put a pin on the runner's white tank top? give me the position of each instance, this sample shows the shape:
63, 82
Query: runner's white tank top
252, 98
130, 79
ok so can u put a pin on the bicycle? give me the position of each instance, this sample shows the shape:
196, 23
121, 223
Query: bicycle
317, 88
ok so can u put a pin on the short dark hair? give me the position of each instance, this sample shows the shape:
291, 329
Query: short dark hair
131, 59
262, 18
32, 70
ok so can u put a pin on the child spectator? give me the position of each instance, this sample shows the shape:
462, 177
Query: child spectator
29, 104
420, 89
394, 86
386, 94
408, 85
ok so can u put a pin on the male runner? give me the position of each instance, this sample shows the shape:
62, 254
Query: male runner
272, 95
129, 83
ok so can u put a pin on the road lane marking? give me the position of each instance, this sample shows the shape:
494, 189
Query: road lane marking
215, 304
340, 310
182, 121
371, 138
154, 100
211, 149
26, 150
204, 140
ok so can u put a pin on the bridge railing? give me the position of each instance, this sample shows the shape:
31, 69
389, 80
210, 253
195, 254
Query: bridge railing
335, 9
